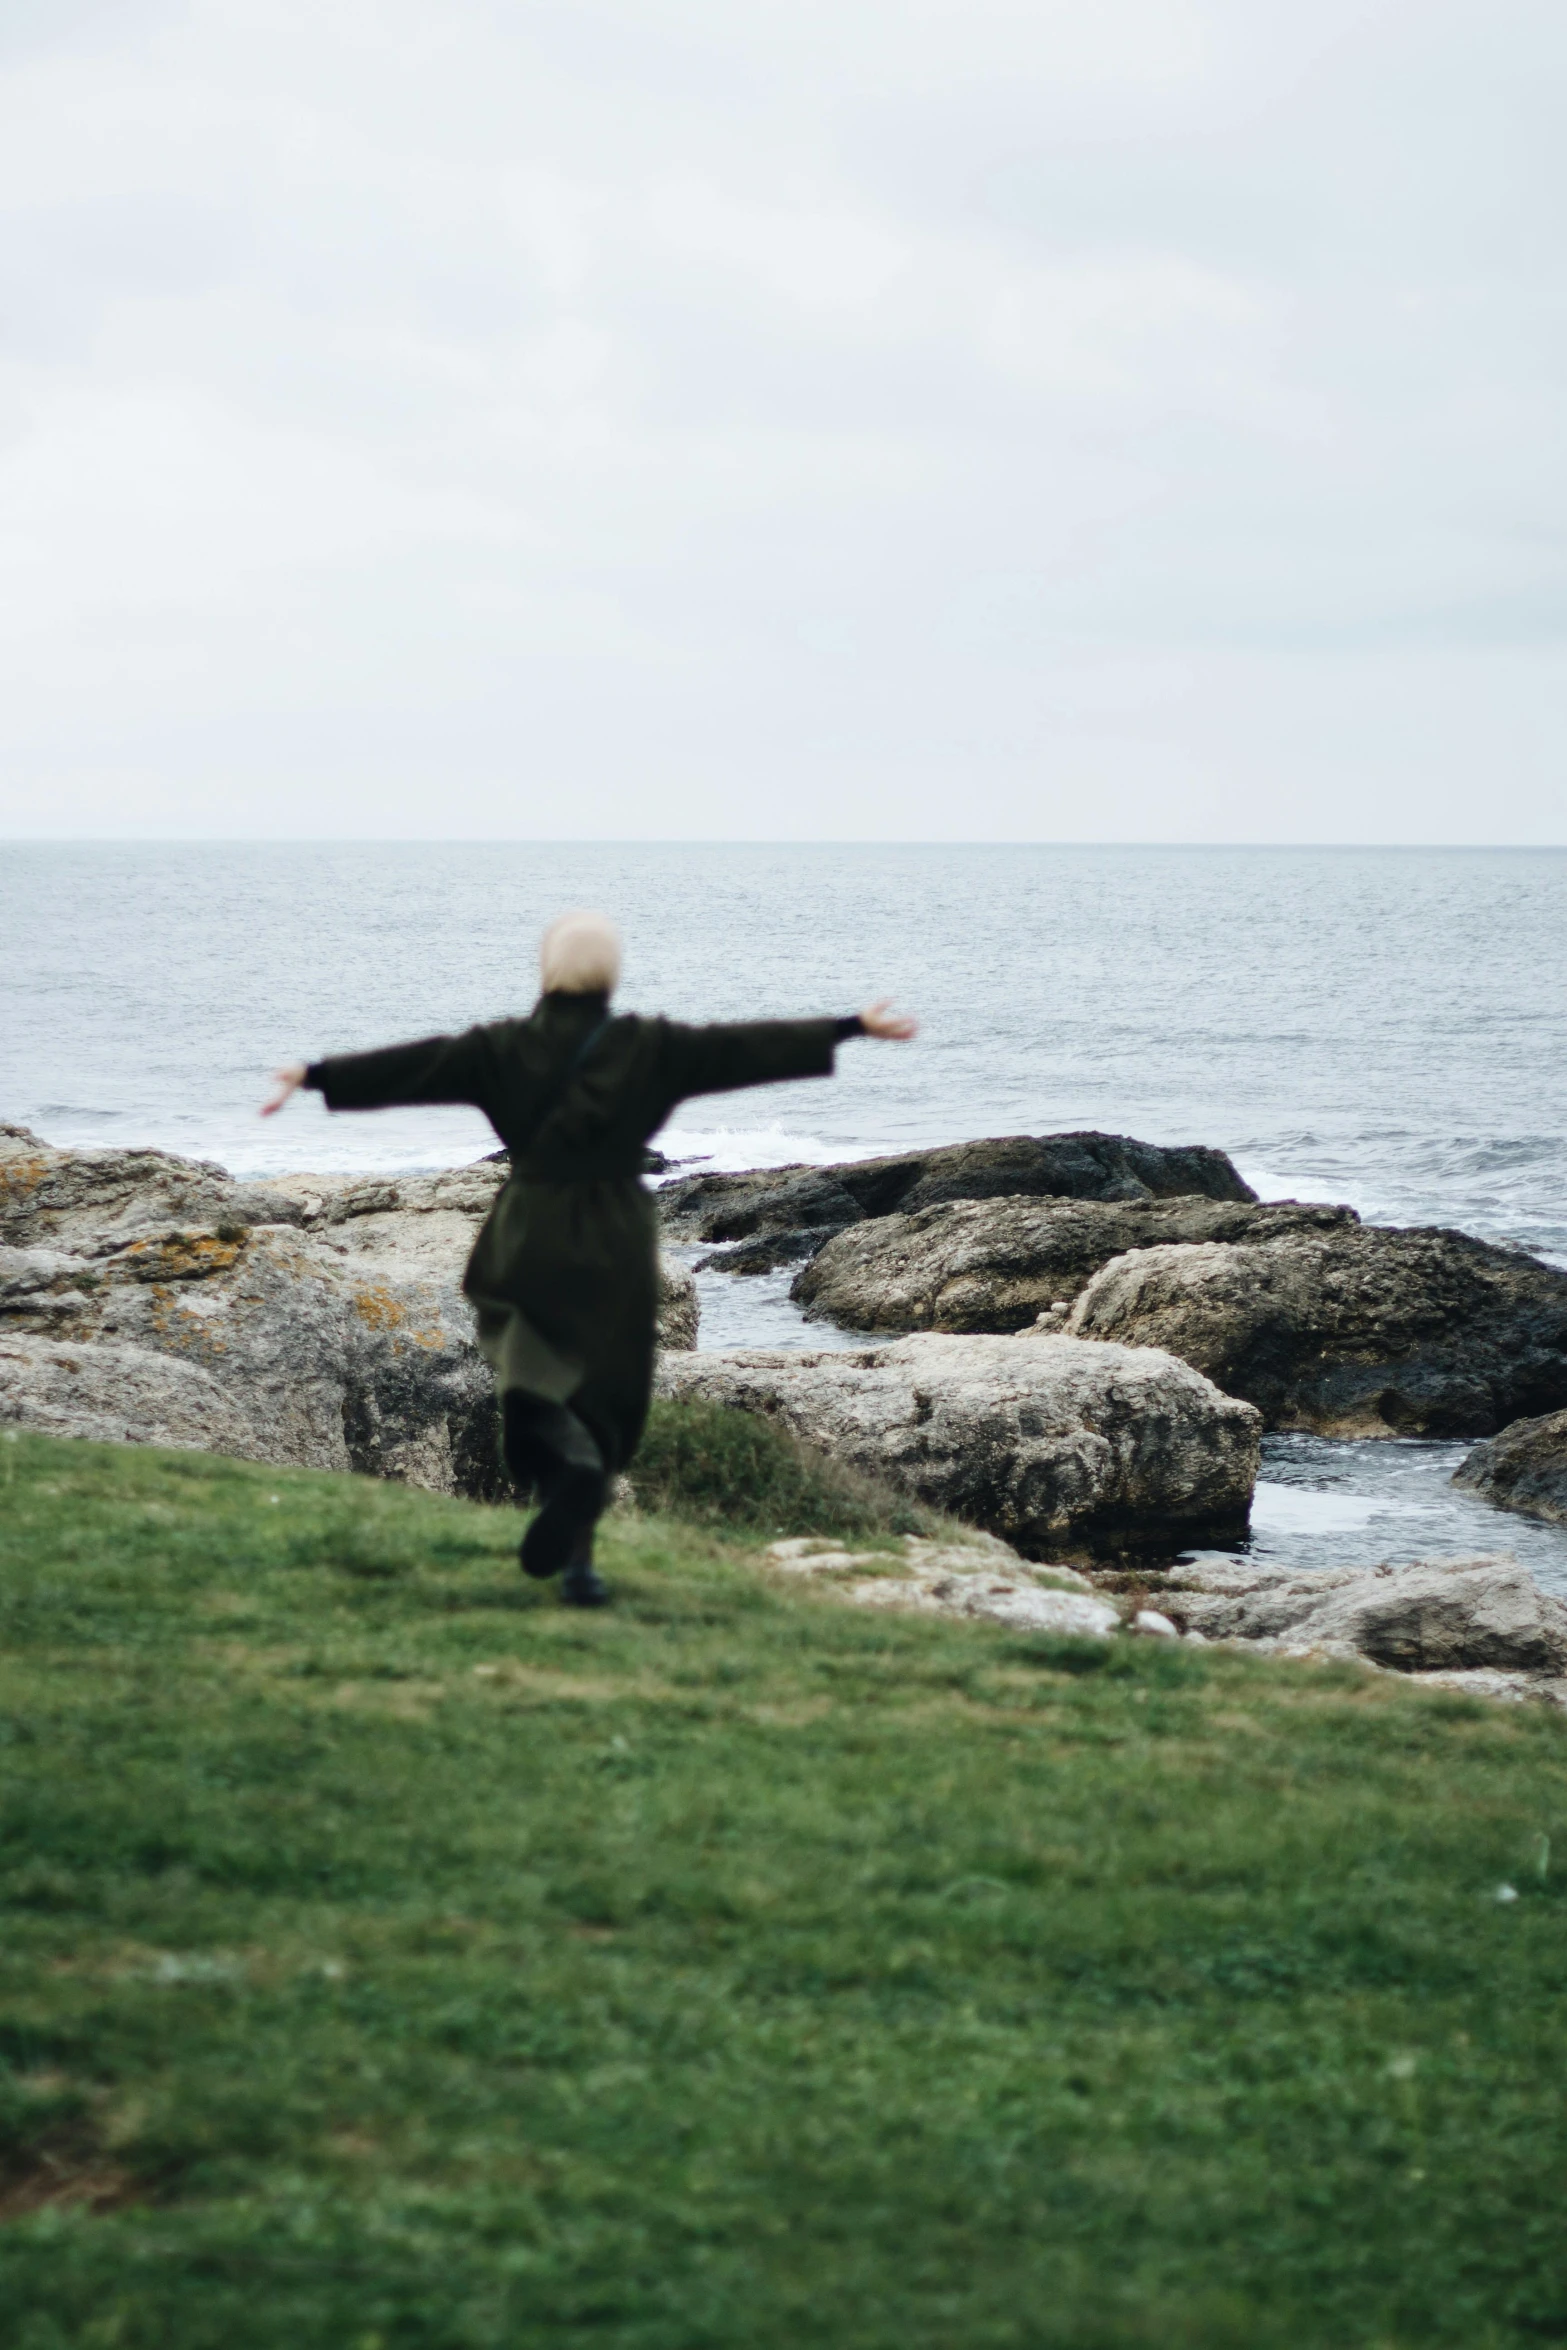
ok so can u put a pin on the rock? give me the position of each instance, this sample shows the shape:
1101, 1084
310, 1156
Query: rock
328, 1361
443, 1210
119, 1395
766, 1252
425, 1225
312, 1321
1350, 1329
814, 1555
999, 1264
977, 1577
808, 1200
1524, 1469
1026, 1607
1439, 1616
1502, 1688
798, 1206
679, 1308
84, 1199
928, 1558
1044, 1441
1148, 1620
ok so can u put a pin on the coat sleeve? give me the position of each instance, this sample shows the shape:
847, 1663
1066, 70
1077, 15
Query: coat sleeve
730, 1054
436, 1069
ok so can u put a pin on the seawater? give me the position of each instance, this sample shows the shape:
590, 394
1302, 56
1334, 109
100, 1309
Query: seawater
1381, 1027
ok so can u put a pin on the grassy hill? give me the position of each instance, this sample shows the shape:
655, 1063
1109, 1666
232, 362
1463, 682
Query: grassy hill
394, 1958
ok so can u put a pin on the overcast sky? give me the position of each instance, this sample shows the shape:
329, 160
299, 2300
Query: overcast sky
1032, 419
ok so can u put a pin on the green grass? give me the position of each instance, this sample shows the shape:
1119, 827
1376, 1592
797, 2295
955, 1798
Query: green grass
394, 1958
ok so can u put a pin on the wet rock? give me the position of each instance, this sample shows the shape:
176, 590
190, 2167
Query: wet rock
998, 1264
326, 1314
1048, 1443
1524, 1468
1352, 1330
766, 1252
727, 1208
1440, 1616
1056, 1166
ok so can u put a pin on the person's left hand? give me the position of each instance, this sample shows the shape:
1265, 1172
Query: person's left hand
288, 1082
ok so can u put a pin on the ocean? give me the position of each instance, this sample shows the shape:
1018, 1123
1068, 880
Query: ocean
1380, 1027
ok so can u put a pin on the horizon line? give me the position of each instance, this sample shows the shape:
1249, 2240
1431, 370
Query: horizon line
107, 840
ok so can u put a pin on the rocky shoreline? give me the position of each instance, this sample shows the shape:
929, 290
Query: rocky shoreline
150, 1299
1478, 1627
1075, 1343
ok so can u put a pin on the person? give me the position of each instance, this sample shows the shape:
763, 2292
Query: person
563, 1278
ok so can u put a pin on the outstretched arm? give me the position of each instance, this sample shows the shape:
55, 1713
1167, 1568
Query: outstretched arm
436, 1069
730, 1054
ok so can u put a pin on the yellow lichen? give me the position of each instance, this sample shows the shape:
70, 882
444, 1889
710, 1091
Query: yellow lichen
378, 1309
18, 1177
195, 1256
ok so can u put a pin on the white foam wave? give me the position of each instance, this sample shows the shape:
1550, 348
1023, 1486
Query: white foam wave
734, 1150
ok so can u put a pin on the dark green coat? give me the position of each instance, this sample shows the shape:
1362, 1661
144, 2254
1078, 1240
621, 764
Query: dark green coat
564, 1274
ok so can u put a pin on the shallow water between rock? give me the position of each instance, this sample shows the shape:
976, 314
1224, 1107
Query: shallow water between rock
1320, 1501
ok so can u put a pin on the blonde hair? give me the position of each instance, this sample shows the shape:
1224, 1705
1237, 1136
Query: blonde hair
579, 954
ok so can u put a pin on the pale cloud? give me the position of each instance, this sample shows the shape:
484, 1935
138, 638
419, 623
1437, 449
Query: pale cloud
892, 416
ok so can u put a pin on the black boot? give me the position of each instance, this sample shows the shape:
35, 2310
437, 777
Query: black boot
582, 1585
547, 1446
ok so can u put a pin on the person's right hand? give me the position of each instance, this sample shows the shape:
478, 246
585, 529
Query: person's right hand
288, 1082
881, 1020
